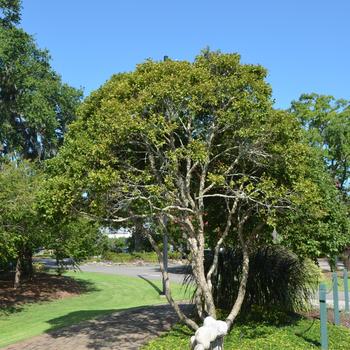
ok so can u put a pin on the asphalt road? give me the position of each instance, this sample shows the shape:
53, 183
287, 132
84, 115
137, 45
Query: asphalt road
176, 272
152, 272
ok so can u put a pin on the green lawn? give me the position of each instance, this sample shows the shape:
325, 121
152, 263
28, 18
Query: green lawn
108, 293
328, 280
262, 336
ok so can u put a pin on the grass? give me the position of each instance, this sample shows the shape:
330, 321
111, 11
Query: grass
109, 293
327, 279
302, 334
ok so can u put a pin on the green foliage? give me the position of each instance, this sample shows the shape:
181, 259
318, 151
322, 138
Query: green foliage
150, 257
9, 12
117, 245
20, 225
35, 106
327, 122
77, 238
319, 225
293, 334
200, 145
277, 279
135, 114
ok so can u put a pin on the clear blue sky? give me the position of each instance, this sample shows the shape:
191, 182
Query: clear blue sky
304, 44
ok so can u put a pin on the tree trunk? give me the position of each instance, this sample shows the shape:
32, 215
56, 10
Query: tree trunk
28, 257
18, 273
242, 286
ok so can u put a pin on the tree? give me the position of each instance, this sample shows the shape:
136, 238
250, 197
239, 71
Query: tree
327, 122
35, 106
319, 225
192, 145
21, 230
75, 237
10, 12
35, 109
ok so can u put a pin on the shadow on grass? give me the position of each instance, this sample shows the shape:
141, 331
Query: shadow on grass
132, 326
309, 340
179, 269
42, 288
153, 285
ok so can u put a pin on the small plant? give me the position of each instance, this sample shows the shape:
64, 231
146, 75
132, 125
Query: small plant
38, 267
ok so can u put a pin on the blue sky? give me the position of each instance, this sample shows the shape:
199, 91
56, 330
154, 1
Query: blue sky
305, 45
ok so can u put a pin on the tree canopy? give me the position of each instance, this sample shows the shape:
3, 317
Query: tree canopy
35, 109
192, 145
327, 122
35, 106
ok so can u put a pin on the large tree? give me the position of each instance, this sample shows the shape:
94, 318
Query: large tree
35, 106
192, 145
21, 228
35, 109
327, 122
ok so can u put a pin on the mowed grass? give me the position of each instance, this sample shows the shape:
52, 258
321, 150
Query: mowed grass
108, 293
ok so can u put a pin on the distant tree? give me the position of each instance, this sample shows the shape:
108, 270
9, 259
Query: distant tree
327, 122
35, 109
10, 13
196, 146
35, 106
21, 229
76, 238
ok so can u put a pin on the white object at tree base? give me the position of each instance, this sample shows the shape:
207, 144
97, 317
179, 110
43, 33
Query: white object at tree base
210, 336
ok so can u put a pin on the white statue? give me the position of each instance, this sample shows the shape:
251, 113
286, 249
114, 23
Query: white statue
208, 333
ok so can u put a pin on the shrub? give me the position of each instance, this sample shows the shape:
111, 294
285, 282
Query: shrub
278, 279
38, 267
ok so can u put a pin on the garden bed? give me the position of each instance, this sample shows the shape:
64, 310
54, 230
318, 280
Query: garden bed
42, 287
291, 333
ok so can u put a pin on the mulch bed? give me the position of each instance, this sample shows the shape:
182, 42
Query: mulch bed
42, 287
344, 318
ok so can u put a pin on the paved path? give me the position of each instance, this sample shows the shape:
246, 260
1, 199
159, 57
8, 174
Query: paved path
127, 330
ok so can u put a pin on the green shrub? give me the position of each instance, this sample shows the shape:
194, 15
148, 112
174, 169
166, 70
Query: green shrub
38, 267
278, 279
150, 257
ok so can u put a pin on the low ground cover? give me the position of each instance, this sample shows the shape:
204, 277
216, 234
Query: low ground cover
104, 294
292, 333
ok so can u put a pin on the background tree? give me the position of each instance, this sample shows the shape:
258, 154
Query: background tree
21, 229
35, 106
176, 143
327, 122
35, 109
10, 12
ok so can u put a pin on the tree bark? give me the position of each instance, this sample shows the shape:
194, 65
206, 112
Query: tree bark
18, 273
183, 318
28, 257
243, 284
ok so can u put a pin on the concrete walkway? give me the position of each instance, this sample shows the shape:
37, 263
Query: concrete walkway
127, 330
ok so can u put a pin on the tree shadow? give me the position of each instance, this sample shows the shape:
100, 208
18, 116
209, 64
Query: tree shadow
309, 340
178, 269
131, 327
41, 288
153, 285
